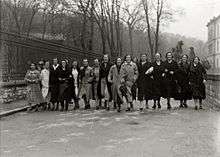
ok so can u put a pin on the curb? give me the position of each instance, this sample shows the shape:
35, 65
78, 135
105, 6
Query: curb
8, 113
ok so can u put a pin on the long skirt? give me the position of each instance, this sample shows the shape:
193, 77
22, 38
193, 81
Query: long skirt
198, 91
170, 89
157, 89
148, 88
54, 90
45, 94
184, 92
64, 92
34, 95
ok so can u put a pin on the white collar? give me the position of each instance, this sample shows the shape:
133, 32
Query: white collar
55, 66
170, 61
158, 62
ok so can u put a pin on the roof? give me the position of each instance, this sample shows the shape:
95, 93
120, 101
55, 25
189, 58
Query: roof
213, 20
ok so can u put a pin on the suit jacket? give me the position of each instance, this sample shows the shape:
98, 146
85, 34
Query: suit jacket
54, 75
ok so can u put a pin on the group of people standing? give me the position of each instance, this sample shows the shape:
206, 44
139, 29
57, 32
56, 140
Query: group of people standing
55, 86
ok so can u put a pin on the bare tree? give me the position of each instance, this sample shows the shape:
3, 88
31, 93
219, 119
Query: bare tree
23, 13
156, 12
132, 17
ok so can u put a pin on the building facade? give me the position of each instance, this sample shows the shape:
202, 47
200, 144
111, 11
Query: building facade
214, 45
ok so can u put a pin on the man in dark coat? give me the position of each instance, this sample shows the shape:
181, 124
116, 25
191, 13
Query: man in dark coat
104, 85
54, 84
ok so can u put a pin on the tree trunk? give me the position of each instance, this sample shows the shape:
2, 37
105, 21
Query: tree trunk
148, 29
130, 39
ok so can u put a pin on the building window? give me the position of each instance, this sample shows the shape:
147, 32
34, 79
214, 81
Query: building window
217, 45
217, 65
218, 30
210, 49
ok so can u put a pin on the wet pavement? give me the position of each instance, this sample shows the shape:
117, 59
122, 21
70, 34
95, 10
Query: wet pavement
159, 133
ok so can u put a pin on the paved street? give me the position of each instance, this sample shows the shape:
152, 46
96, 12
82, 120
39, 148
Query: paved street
176, 133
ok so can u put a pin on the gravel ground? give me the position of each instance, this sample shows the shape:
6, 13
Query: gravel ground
159, 133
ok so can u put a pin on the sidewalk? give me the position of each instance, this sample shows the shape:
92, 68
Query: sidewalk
4, 107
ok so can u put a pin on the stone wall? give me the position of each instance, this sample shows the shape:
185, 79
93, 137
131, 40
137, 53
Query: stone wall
213, 89
12, 92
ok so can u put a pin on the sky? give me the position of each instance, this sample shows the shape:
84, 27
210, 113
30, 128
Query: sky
197, 13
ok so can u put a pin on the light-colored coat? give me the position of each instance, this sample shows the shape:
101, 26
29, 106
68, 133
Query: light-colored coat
114, 78
86, 83
128, 75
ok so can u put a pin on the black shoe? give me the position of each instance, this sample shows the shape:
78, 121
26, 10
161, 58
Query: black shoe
115, 106
132, 106
200, 107
141, 109
119, 108
185, 105
196, 107
76, 107
87, 107
159, 106
169, 107
105, 104
181, 106
128, 109
154, 107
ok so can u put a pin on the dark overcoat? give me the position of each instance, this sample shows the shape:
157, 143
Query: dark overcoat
54, 84
170, 80
158, 86
196, 76
144, 82
65, 77
184, 90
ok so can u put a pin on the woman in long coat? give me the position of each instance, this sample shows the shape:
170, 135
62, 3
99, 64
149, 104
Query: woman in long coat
74, 84
144, 82
45, 74
64, 80
114, 78
34, 95
197, 79
170, 69
184, 91
128, 75
158, 70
